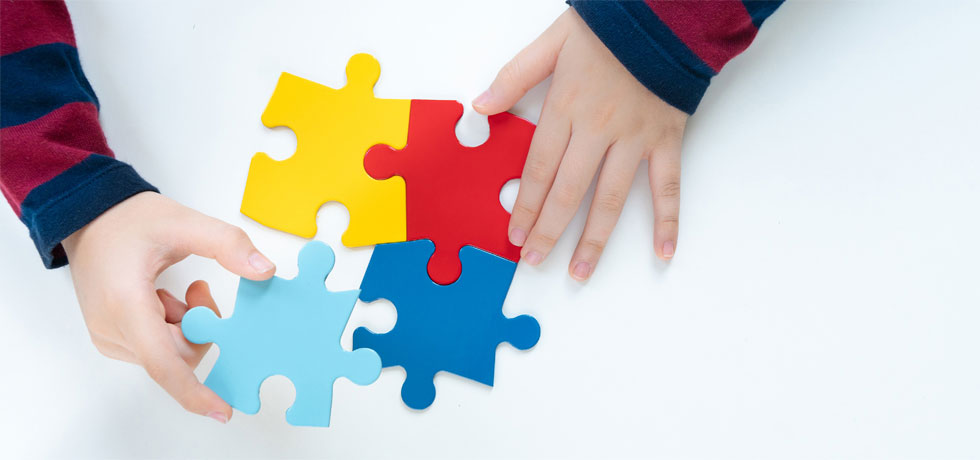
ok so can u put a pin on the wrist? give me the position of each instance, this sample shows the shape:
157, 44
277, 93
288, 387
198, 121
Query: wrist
72, 242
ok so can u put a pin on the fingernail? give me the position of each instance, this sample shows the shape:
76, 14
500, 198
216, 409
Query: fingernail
533, 257
260, 263
518, 237
219, 416
168, 294
482, 99
668, 249
581, 271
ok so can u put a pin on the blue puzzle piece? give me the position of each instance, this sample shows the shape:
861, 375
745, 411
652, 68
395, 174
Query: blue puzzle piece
454, 328
285, 327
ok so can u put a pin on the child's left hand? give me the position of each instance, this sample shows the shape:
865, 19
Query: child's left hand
595, 109
115, 261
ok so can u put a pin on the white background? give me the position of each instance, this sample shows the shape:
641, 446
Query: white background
823, 301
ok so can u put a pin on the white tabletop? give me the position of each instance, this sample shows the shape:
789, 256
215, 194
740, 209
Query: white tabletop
823, 301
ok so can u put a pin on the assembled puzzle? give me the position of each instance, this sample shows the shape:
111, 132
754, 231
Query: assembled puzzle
442, 257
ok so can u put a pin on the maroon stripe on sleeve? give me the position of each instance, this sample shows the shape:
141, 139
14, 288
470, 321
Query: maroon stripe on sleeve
48, 23
34, 152
715, 30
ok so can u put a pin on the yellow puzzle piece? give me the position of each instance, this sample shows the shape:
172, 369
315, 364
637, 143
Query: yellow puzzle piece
334, 128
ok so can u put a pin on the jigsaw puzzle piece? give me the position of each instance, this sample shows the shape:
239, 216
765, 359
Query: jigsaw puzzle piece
454, 328
418, 391
285, 327
232, 378
334, 128
453, 191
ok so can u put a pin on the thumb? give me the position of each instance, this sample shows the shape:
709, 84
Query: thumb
229, 245
532, 65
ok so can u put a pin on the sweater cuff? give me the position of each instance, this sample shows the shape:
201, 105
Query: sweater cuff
66, 203
648, 49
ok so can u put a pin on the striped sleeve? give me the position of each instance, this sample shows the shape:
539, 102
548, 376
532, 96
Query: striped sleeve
56, 170
674, 47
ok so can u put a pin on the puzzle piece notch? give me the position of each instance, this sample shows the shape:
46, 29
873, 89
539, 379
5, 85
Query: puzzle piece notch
334, 128
453, 191
454, 328
285, 327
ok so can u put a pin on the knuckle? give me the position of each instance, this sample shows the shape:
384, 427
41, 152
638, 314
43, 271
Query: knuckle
235, 233
635, 125
602, 117
538, 171
560, 102
593, 245
234, 236
566, 197
668, 219
670, 189
546, 240
512, 72
674, 130
522, 209
611, 202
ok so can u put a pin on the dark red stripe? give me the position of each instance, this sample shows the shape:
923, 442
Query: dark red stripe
34, 152
25, 24
715, 30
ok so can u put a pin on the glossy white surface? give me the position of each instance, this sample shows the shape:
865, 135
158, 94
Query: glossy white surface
823, 302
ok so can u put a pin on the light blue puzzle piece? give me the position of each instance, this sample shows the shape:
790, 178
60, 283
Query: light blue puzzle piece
454, 328
285, 327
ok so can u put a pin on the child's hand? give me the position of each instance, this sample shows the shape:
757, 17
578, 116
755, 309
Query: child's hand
115, 261
594, 109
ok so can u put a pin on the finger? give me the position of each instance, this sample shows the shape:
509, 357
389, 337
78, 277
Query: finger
612, 189
191, 353
665, 184
578, 166
543, 159
531, 65
151, 340
198, 295
173, 308
228, 244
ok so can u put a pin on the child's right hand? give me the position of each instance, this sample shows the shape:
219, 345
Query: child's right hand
596, 113
115, 261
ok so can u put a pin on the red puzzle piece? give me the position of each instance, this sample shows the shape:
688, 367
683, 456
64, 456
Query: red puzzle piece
452, 191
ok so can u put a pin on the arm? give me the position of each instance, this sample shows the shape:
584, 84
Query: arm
674, 47
81, 204
627, 74
56, 170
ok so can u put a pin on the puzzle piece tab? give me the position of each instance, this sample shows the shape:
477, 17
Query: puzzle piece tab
285, 327
453, 191
334, 128
453, 328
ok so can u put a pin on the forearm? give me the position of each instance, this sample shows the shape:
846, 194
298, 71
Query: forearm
56, 169
675, 47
